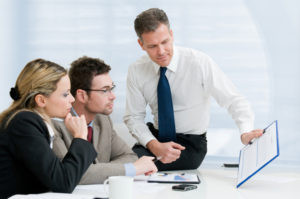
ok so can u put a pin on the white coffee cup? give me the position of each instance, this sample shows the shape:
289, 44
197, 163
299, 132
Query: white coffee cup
120, 187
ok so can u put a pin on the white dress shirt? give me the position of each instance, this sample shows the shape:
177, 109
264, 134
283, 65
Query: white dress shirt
51, 134
193, 77
50, 129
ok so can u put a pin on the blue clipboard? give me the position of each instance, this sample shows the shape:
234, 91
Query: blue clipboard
269, 138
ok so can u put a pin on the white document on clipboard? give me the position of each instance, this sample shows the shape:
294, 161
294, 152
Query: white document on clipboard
255, 156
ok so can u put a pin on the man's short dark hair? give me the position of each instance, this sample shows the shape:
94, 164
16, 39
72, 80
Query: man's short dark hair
149, 20
83, 70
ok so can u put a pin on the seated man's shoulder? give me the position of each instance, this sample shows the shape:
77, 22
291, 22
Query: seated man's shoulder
57, 122
102, 119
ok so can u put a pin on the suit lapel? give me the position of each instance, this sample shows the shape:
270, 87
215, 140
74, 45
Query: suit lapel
96, 134
96, 131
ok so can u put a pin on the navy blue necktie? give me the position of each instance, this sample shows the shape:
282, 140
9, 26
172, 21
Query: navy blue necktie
166, 123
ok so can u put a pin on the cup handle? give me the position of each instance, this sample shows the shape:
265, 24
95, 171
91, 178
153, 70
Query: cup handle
105, 183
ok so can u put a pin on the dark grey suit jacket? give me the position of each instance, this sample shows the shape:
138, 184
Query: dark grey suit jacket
112, 151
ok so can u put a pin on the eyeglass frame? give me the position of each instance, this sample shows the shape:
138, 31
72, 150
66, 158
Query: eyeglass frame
105, 92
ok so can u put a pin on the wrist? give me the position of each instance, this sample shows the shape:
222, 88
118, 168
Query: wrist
152, 144
81, 137
154, 147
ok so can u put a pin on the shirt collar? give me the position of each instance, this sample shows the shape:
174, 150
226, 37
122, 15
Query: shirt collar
74, 112
173, 64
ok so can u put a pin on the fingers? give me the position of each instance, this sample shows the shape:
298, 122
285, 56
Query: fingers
177, 146
258, 132
67, 118
151, 158
82, 118
169, 159
76, 126
173, 152
255, 133
168, 151
171, 156
148, 173
247, 137
145, 165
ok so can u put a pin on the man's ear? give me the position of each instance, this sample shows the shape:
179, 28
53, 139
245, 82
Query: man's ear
40, 100
171, 33
81, 96
141, 43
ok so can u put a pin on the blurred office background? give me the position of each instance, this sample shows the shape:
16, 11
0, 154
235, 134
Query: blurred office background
256, 43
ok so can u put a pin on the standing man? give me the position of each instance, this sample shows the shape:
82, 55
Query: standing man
177, 84
92, 88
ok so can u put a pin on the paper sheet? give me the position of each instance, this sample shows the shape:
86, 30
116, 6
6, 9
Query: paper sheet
174, 178
255, 156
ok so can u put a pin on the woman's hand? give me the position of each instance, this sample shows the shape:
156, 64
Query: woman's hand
77, 126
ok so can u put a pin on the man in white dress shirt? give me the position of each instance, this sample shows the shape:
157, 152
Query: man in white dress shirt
193, 78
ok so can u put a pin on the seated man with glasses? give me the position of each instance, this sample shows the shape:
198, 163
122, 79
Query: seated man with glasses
92, 88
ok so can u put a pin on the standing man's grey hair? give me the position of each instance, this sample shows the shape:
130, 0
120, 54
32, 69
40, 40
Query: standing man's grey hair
149, 20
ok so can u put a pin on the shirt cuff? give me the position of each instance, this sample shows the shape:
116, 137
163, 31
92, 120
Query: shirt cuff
130, 169
247, 127
144, 141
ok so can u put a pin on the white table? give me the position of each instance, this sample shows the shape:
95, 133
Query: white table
216, 182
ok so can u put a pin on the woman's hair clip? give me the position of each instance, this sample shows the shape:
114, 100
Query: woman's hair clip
14, 93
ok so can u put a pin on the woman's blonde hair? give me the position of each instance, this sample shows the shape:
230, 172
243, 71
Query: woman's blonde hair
38, 77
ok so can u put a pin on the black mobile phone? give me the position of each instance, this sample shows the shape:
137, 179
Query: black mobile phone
184, 187
231, 165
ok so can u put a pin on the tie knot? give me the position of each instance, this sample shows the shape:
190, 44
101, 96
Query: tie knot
163, 70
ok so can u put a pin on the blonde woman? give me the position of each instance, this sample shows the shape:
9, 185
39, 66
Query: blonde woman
27, 163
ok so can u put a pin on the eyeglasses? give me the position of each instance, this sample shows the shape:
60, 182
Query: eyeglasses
104, 91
